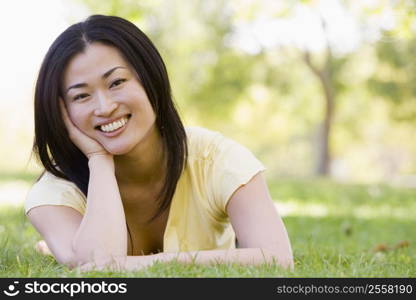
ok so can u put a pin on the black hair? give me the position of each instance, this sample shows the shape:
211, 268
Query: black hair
52, 145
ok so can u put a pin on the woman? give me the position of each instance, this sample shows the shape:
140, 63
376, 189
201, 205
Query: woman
125, 184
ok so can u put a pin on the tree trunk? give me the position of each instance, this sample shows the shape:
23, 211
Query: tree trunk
323, 160
324, 150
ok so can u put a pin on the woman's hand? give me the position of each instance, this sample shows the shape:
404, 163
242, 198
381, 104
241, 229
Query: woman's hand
120, 263
87, 145
108, 264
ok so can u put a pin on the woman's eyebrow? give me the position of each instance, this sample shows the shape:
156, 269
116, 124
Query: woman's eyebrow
104, 76
108, 73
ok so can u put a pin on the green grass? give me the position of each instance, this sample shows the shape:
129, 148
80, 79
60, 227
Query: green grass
334, 231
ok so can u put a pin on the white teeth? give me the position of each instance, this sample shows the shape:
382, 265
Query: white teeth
114, 126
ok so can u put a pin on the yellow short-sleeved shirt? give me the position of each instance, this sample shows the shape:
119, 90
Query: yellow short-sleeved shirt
217, 166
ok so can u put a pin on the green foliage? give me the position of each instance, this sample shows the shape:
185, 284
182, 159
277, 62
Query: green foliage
130, 9
224, 86
395, 74
26, 177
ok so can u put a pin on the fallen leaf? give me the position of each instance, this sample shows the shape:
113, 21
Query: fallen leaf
402, 244
381, 248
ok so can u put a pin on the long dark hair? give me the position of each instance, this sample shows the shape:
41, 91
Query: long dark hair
52, 145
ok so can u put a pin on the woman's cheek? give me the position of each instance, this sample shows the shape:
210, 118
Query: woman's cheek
79, 120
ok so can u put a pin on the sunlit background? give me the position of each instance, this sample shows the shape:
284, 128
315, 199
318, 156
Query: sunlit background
280, 77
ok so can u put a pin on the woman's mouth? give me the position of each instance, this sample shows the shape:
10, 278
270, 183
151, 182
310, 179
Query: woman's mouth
114, 127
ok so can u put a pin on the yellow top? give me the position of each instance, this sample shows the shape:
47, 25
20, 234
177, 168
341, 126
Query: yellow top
216, 167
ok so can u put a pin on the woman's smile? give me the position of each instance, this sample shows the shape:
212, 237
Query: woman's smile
113, 128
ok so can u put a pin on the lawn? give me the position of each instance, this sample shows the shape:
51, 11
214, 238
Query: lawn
336, 230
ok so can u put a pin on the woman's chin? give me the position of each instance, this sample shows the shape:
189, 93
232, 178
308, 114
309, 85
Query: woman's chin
118, 150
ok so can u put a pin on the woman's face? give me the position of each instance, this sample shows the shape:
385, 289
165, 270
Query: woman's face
105, 99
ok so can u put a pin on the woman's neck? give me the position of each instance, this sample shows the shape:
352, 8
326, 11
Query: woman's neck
145, 165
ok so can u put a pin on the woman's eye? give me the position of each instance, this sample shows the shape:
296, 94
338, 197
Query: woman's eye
80, 96
117, 82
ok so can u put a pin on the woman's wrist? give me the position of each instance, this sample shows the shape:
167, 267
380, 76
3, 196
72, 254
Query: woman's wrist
95, 153
100, 158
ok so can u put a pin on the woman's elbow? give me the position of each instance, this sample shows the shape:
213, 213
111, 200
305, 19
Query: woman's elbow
71, 260
284, 260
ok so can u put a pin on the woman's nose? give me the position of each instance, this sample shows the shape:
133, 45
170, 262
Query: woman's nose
105, 105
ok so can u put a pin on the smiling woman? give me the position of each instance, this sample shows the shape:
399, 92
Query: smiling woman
110, 102
125, 182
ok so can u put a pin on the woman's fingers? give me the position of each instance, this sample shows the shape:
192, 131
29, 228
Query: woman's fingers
109, 264
42, 248
86, 144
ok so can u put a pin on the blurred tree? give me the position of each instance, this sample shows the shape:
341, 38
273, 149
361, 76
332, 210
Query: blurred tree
328, 76
328, 72
395, 82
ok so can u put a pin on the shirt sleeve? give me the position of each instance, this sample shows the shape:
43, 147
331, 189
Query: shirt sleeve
50, 190
233, 166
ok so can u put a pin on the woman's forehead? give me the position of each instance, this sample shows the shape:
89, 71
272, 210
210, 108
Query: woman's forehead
93, 62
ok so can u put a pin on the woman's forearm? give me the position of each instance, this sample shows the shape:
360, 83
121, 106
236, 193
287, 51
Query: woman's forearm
103, 231
249, 256
245, 256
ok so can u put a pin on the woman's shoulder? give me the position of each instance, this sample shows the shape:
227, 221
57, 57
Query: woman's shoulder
197, 132
207, 143
51, 181
52, 190
202, 142
222, 166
